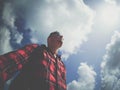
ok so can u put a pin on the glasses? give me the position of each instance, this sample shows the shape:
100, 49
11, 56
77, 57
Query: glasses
57, 37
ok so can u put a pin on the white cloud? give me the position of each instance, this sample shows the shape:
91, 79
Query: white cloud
86, 80
73, 21
111, 1
4, 40
70, 17
8, 15
111, 64
8, 30
107, 15
5, 34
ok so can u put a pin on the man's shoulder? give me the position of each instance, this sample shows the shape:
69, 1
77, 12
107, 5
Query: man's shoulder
39, 47
36, 45
32, 44
43, 46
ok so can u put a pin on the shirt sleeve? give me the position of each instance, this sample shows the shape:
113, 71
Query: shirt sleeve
14, 61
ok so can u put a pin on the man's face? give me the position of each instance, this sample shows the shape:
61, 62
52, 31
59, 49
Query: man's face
56, 40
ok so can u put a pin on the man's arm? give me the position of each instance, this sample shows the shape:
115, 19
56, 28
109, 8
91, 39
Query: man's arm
14, 61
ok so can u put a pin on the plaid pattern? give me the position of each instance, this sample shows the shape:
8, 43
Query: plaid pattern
39, 69
13, 61
54, 73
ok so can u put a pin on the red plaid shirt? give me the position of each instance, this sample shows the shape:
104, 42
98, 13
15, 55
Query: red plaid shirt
39, 69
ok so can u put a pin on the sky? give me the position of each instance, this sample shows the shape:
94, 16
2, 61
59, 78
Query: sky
91, 30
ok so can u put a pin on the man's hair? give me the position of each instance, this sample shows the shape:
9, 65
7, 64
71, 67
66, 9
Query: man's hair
54, 33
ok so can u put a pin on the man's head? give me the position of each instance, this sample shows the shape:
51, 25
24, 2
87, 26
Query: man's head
55, 40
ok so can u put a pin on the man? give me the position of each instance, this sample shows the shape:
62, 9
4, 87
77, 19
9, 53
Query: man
40, 67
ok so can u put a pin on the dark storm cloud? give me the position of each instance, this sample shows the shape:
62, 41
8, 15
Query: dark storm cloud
13, 15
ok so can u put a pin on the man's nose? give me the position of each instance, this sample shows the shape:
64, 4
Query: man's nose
61, 38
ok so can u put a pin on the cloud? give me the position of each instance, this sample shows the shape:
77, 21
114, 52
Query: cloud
93, 3
111, 1
74, 22
7, 20
4, 40
117, 2
11, 35
111, 64
86, 79
40, 17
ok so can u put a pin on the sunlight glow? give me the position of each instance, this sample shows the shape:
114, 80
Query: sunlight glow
109, 15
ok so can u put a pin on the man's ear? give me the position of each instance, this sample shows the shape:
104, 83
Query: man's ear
49, 39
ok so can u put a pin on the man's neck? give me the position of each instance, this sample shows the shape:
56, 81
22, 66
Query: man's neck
53, 50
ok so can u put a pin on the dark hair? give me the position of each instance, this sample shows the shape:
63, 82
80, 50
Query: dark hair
54, 33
